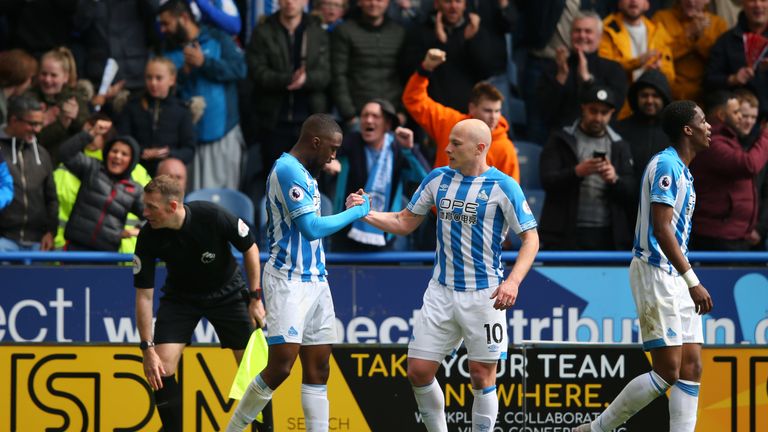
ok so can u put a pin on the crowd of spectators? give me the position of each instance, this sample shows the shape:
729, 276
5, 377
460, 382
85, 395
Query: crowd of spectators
96, 97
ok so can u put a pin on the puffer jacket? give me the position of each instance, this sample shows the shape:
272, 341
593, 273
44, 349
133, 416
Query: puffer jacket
34, 209
104, 200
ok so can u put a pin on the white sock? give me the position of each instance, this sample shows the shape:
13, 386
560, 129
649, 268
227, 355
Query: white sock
314, 400
683, 402
485, 408
431, 403
637, 394
256, 397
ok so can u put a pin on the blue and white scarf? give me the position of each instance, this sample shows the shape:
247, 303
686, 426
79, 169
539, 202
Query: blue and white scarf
379, 190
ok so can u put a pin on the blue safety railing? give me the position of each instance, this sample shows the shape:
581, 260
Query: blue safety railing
752, 258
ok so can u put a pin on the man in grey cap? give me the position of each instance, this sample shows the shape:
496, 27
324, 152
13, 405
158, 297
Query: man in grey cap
586, 171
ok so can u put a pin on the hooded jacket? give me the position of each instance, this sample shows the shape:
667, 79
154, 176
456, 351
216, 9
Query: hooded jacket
34, 209
643, 133
724, 176
438, 120
104, 200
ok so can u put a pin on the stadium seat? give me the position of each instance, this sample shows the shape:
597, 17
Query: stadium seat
528, 155
535, 198
236, 202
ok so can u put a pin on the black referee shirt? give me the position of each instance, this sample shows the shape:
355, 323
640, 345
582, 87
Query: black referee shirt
198, 257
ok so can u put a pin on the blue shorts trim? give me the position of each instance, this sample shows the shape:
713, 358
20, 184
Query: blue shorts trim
275, 340
653, 344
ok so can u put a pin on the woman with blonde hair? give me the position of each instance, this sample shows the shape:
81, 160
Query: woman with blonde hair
65, 104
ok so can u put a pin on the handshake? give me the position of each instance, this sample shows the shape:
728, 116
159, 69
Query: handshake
359, 198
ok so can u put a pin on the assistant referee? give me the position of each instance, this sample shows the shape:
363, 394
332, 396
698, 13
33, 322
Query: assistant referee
204, 281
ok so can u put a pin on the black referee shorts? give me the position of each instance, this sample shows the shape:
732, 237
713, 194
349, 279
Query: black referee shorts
177, 319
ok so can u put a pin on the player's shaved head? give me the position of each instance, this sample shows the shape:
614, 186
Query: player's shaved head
474, 131
319, 125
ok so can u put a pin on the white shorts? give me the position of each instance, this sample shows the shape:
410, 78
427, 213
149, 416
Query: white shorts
448, 316
298, 312
664, 306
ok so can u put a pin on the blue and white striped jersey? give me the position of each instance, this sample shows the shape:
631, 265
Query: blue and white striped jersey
292, 192
668, 181
474, 214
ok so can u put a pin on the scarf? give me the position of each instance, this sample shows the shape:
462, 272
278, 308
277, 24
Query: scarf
379, 189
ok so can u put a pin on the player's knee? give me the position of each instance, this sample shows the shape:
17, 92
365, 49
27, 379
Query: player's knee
318, 374
420, 377
692, 370
668, 374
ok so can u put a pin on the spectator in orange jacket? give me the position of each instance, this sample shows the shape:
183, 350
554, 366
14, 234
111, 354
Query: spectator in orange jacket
636, 42
438, 120
692, 30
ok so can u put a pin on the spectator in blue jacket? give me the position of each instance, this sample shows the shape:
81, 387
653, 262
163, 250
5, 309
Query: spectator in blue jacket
209, 65
6, 184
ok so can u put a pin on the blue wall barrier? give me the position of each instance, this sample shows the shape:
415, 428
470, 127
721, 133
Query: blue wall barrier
579, 297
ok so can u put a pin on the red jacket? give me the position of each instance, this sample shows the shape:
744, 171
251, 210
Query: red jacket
724, 180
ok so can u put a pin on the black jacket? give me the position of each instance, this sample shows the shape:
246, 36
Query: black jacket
644, 134
104, 200
559, 104
468, 61
364, 63
727, 56
155, 123
34, 210
271, 68
118, 29
558, 178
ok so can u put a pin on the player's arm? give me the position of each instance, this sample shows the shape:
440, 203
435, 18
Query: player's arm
253, 271
506, 293
661, 215
314, 227
400, 223
153, 367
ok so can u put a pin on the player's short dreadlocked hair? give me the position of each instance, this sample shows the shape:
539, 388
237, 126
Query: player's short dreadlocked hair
320, 125
167, 186
675, 116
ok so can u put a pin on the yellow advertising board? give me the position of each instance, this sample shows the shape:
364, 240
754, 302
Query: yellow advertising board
102, 388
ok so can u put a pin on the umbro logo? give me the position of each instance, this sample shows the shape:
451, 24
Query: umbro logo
482, 196
443, 187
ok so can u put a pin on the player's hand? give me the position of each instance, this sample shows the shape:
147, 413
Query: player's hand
257, 311
701, 299
153, 368
404, 137
505, 295
355, 199
432, 59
